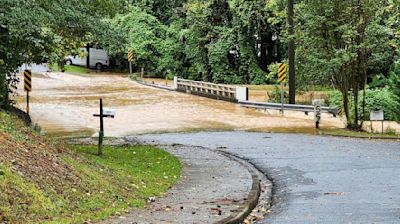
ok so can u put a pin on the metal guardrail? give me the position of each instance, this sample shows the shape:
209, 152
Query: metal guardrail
292, 107
206, 88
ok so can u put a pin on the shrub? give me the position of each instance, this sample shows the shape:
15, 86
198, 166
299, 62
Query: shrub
375, 99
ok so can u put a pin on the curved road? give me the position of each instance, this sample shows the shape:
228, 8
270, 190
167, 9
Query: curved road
317, 179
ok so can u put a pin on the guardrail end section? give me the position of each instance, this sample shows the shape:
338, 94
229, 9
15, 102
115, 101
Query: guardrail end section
242, 93
175, 86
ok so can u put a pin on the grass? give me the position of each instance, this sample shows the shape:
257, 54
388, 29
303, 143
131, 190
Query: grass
78, 70
45, 182
359, 134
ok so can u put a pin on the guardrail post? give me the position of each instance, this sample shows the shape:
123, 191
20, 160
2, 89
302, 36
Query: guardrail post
317, 112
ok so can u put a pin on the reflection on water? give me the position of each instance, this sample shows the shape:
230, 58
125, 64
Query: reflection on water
64, 104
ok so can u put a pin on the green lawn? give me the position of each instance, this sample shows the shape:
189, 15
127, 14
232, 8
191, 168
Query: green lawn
72, 69
123, 177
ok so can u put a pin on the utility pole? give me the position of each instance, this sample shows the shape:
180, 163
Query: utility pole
292, 54
88, 56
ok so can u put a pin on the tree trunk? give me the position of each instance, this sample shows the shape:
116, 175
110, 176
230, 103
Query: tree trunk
263, 59
346, 105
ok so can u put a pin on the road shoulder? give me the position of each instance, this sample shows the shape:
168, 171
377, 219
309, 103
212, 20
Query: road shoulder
214, 188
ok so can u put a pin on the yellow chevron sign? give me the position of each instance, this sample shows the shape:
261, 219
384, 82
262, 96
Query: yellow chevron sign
282, 72
130, 55
27, 80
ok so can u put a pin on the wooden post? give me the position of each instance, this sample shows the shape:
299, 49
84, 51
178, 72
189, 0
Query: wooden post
291, 54
101, 133
282, 97
27, 102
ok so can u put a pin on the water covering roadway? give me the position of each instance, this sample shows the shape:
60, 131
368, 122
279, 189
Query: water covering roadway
63, 105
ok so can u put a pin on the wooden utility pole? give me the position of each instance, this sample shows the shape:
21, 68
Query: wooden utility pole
88, 56
292, 54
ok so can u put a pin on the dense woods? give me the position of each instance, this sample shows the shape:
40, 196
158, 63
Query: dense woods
350, 46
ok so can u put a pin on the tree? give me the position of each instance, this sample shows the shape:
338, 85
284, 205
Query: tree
343, 41
38, 31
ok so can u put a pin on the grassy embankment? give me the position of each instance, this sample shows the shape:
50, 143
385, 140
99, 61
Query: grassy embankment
42, 181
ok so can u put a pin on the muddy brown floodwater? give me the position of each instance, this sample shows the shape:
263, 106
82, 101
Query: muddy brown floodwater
63, 105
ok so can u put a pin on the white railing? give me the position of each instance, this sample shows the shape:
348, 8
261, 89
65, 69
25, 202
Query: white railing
206, 88
218, 91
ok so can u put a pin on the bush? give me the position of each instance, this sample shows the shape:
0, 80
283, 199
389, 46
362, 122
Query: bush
375, 99
275, 95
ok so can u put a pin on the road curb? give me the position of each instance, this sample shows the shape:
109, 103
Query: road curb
253, 196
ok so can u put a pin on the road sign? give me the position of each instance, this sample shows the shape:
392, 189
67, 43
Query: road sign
27, 80
109, 112
130, 55
282, 72
377, 115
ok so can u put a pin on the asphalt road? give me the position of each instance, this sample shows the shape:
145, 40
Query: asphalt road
317, 179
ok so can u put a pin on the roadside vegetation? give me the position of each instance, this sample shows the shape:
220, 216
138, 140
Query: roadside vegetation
43, 181
78, 70
389, 134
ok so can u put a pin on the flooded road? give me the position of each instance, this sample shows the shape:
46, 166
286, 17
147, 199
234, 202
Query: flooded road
63, 105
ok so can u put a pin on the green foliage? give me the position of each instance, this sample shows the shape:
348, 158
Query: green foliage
275, 95
375, 99
143, 34
193, 39
393, 80
341, 42
38, 31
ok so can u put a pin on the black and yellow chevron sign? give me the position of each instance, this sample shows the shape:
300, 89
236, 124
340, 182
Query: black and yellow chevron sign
130, 55
27, 80
282, 72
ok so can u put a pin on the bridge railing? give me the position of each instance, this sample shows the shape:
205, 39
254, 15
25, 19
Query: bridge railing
212, 90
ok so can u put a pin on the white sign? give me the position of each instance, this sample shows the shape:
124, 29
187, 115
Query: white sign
242, 93
377, 115
109, 112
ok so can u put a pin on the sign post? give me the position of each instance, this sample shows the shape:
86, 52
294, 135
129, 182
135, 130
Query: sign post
130, 59
103, 113
377, 116
27, 86
282, 78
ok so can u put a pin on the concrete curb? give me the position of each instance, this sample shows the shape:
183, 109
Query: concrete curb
253, 196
